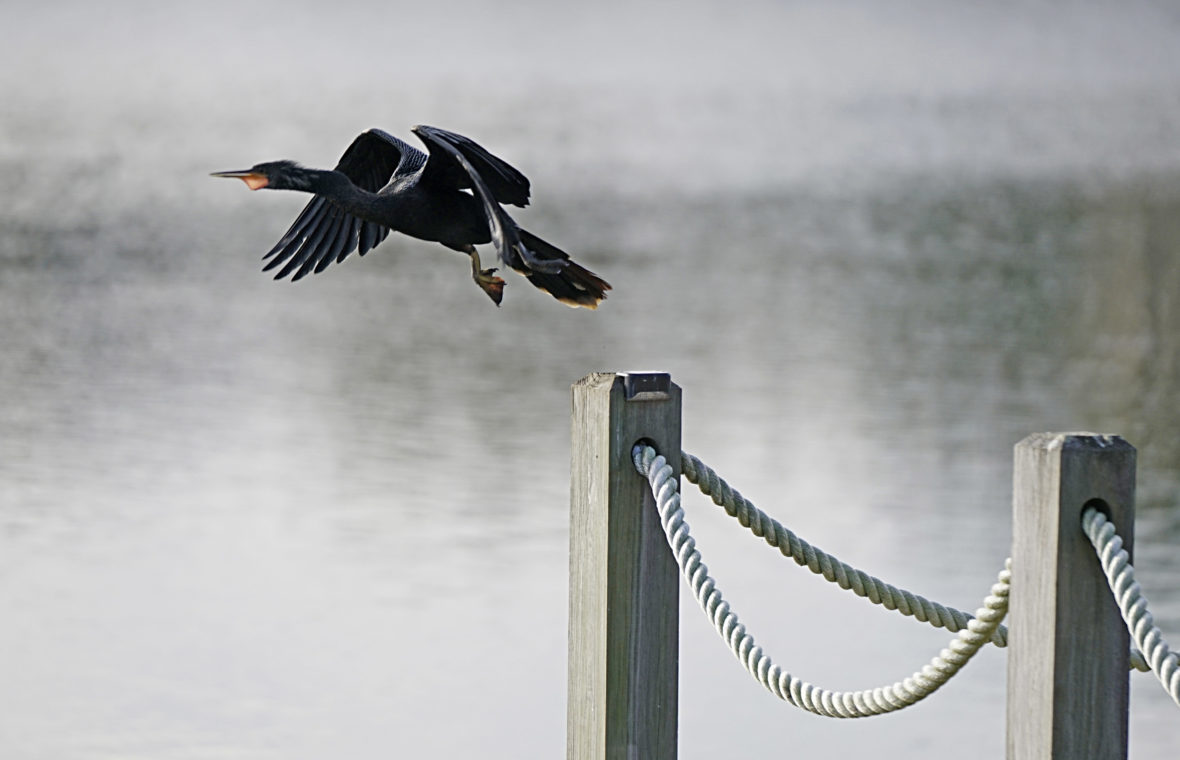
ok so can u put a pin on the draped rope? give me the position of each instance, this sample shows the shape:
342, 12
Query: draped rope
978, 630
821, 563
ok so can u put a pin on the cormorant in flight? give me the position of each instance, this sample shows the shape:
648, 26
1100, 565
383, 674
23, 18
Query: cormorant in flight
450, 195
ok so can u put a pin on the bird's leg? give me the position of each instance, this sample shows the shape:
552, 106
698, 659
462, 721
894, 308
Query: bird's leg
485, 278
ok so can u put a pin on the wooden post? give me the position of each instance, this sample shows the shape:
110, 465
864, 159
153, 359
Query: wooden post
1068, 645
624, 582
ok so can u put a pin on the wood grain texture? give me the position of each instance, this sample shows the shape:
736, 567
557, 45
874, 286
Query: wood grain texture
624, 583
1068, 645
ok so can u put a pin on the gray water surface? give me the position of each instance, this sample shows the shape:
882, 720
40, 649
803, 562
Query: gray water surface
876, 247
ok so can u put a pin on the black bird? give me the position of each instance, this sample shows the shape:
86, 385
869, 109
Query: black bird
450, 195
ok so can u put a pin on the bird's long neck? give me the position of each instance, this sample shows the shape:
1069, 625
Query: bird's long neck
337, 187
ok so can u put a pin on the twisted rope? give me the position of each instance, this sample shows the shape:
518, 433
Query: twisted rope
1132, 603
818, 561
821, 563
859, 704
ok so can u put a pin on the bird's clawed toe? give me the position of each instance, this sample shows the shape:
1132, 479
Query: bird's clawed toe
490, 284
486, 278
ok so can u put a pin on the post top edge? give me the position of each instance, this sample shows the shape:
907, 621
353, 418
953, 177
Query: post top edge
1075, 440
646, 386
596, 380
637, 386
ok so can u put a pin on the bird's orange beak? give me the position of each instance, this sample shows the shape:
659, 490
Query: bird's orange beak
253, 180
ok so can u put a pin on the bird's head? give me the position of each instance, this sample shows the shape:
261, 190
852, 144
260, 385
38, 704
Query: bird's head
273, 175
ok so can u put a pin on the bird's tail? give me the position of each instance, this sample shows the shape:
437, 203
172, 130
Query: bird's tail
574, 285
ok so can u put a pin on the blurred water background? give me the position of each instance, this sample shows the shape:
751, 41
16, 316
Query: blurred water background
876, 243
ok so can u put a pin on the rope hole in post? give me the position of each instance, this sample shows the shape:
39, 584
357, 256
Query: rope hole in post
1099, 506
645, 441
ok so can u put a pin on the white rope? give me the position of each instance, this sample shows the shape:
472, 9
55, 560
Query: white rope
1132, 603
978, 631
821, 563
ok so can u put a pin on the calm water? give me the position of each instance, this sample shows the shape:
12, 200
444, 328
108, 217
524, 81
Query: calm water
248, 519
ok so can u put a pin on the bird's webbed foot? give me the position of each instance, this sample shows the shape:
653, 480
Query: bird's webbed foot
486, 279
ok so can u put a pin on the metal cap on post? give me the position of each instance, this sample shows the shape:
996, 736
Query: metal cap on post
624, 582
1068, 644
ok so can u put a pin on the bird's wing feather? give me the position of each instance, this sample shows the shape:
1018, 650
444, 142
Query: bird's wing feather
323, 233
505, 183
372, 159
503, 229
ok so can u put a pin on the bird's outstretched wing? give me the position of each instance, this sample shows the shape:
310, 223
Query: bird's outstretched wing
505, 183
323, 232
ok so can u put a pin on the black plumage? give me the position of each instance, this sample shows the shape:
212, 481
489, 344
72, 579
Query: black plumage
452, 194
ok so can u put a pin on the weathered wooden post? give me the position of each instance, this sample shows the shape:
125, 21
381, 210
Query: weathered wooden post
1068, 645
624, 583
